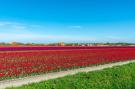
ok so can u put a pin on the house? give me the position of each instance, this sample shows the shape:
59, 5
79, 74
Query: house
61, 44
13, 43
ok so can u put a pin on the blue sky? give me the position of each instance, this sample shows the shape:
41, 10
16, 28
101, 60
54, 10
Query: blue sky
42, 21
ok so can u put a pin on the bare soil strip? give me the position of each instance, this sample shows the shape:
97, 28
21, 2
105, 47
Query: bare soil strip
38, 78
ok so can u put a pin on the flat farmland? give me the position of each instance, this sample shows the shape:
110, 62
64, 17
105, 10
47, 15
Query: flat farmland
120, 77
25, 61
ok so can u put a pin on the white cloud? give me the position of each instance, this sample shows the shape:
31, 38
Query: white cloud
3, 23
30, 36
42, 37
13, 31
19, 27
13, 27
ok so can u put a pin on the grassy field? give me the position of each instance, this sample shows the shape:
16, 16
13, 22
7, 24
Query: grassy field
121, 77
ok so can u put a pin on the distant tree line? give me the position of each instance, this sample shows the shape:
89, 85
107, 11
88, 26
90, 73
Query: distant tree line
66, 44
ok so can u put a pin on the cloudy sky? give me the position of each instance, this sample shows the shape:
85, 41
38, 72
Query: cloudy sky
42, 21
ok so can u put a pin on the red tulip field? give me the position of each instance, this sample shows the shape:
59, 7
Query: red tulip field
15, 63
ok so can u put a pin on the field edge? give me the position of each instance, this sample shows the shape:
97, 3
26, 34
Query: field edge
38, 78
